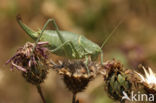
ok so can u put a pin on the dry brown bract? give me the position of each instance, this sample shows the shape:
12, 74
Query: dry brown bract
75, 75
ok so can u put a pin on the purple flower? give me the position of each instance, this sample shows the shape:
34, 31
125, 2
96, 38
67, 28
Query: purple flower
28, 56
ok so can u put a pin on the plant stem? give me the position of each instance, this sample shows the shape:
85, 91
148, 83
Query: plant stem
74, 98
40, 93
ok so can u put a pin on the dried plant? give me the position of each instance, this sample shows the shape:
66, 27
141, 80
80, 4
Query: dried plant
75, 76
148, 81
32, 61
116, 80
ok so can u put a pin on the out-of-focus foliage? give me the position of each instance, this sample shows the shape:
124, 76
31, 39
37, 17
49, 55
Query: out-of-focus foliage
132, 44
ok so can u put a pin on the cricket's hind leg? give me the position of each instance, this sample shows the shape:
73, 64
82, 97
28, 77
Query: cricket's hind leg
62, 45
65, 42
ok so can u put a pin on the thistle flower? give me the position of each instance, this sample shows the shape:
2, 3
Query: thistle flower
31, 61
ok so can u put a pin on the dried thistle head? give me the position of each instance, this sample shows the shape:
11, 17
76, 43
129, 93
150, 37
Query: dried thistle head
109, 67
148, 81
74, 74
31, 61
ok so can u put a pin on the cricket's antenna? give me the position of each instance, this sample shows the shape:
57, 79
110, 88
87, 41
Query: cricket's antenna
110, 35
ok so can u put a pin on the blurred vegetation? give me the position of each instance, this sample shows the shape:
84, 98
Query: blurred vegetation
132, 44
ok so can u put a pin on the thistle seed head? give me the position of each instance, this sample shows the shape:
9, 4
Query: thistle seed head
75, 75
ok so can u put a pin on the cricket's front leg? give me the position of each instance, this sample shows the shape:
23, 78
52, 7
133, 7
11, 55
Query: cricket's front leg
86, 64
101, 57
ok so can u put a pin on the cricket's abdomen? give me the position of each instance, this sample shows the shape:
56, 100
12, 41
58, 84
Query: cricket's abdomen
78, 41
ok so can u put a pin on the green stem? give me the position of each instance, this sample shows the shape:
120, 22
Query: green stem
40, 93
74, 99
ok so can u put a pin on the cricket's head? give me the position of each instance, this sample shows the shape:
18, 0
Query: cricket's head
95, 54
29, 31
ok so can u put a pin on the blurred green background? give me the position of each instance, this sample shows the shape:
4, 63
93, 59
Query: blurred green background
132, 43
